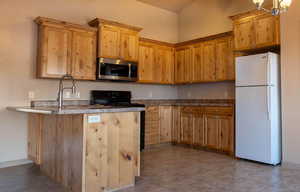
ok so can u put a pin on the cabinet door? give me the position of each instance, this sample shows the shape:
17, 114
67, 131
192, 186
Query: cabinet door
186, 126
266, 30
152, 126
165, 113
54, 51
225, 69
183, 65
226, 134
244, 34
148, 72
164, 58
209, 61
109, 38
198, 127
129, 45
84, 55
176, 124
212, 131
197, 63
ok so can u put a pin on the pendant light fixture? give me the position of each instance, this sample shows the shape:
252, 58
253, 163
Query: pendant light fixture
279, 6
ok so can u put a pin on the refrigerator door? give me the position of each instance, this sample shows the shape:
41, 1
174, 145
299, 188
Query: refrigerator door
253, 70
253, 128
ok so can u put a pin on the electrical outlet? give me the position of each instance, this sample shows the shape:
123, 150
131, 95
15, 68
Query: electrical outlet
150, 94
189, 94
94, 119
67, 95
31, 95
77, 95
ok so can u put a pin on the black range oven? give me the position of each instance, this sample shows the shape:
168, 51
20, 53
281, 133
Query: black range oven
116, 70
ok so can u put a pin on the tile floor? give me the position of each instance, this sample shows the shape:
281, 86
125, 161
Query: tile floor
176, 169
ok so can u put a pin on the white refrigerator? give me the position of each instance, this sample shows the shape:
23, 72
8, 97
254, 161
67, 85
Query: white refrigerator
258, 116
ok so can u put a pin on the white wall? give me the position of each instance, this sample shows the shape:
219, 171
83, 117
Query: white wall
18, 40
290, 70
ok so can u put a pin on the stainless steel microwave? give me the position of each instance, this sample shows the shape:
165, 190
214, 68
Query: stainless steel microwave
116, 70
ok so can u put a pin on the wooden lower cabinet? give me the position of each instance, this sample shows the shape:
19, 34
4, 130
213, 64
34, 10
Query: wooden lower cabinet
206, 127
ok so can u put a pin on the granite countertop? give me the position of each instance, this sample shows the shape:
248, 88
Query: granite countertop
188, 102
76, 109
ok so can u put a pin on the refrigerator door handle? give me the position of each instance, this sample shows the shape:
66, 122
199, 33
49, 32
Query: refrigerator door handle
268, 102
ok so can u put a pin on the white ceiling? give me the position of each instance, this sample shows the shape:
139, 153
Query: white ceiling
171, 5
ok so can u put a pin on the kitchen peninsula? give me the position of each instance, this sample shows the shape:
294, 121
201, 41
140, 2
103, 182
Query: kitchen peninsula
85, 148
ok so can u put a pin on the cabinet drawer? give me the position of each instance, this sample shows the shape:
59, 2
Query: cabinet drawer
219, 110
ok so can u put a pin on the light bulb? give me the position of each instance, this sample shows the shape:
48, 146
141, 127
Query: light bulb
258, 2
285, 3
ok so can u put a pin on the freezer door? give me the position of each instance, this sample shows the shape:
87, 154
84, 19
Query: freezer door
253, 132
252, 70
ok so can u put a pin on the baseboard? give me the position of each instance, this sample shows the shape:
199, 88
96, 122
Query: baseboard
15, 163
290, 165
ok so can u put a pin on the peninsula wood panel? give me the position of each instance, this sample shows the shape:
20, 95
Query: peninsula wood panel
225, 68
112, 155
109, 41
62, 145
129, 45
34, 137
209, 61
84, 55
54, 48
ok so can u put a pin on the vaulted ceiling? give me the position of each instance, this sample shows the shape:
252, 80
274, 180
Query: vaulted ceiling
171, 5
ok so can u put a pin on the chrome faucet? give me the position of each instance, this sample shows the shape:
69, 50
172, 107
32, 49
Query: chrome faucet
60, 97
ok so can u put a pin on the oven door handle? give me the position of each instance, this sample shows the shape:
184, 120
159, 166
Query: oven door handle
129, 72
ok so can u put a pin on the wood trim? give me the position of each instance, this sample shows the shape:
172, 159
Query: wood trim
251, 13
49, 21
97, 21
202, 39
162, 43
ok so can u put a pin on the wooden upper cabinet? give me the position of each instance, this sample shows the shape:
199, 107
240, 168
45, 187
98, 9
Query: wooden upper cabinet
84, 55
147, 68
183, 65
110, 39
156, 62
225, 68
55, 45
209, 61
117, 40
129, 45
165, 61
197, 63
256, 29
244, 34
266, 30
65, 48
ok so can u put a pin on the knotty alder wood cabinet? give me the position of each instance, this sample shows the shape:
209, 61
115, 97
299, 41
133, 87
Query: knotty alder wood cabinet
205, 127
254, 30
206, 61
156, 62
117, 40
65, 48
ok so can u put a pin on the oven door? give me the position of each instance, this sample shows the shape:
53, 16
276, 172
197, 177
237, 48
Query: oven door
116, 70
